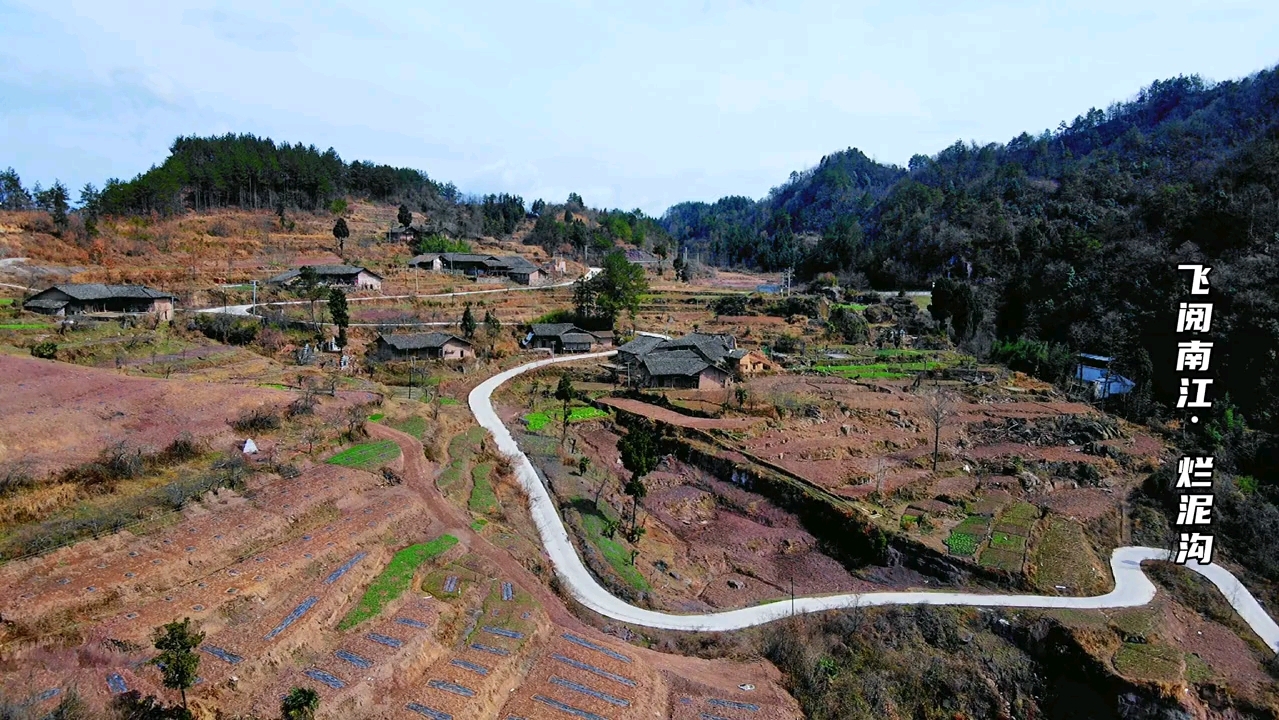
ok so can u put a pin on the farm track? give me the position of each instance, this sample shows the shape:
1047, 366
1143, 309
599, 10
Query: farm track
247, 310
1132, 587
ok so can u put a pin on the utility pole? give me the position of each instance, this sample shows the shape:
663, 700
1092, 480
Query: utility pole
792, 596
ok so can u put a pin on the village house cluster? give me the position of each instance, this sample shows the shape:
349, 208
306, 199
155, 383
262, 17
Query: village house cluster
697, 360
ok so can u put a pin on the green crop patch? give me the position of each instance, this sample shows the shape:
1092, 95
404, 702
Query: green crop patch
448, 401
366, 456
483, 500
537, 420
617, 556
6, 302
961, 543
1002, 559
414, 425
375, 417
395, 579
21, 326
1004, 541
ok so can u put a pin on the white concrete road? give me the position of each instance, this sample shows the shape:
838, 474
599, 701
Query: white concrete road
1132, 587
246, 310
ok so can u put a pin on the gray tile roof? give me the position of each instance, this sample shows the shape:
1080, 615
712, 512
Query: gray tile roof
640, 345
45, 304
420, 341
424, 257
712, 347
674, 362
577, 338
324, 271
554, 329
98, 291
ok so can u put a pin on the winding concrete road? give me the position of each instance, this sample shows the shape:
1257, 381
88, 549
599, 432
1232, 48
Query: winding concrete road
1132, 587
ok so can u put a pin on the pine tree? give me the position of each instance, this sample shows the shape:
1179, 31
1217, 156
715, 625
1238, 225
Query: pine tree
177, 660
341, 232
404, 216
300, 704
340, 312
468, 323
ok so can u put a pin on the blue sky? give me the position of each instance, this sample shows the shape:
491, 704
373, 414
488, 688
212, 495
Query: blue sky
630, 104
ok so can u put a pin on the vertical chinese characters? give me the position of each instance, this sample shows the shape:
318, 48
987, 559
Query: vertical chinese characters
1194, 474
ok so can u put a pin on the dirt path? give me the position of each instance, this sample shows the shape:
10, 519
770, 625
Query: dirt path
670, 417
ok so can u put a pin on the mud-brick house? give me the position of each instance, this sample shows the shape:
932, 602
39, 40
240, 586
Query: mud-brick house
86, 298
433, 346
750, 362
348, 275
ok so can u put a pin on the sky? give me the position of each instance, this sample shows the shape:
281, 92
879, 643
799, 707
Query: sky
630, 104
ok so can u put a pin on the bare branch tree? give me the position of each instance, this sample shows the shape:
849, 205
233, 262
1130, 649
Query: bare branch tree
939, 407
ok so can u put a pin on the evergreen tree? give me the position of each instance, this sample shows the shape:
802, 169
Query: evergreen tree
12, 195
491, 323
341, 232
300, 704
340, 313
639, 449
56, 202
564, 392
468, 323
177, 661
404, 216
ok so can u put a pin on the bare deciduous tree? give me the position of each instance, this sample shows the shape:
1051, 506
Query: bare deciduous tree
939, 407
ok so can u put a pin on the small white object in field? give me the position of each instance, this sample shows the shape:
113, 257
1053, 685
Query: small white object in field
250, 447
746, 686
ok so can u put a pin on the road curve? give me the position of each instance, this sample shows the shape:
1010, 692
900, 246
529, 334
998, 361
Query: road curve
1132, 587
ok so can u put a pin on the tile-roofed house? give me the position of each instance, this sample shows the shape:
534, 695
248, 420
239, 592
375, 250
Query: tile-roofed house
660, 361
683, 368
334, 275
406, 234
560, 337
427, 261
437, 345
79, 298
631, 352
516, 267
522, 271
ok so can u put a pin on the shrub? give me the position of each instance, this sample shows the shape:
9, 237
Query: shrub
794, 305
730, 305
1051, 362
259, 419
16, 477
47, 350
848, 324
184, 447
789, 344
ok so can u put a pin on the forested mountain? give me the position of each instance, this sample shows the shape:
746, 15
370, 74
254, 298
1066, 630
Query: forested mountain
1069, 241
1068, 237
250, 172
